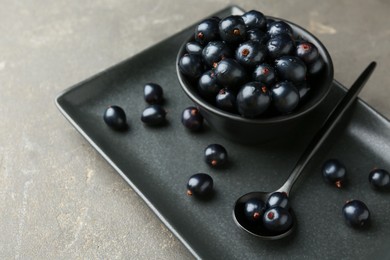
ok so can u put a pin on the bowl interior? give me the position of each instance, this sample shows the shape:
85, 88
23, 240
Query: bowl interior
320, 84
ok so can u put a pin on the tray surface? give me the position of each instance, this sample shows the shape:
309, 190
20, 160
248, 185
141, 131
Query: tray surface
157, 163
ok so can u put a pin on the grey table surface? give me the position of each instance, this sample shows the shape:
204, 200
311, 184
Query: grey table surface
58, 197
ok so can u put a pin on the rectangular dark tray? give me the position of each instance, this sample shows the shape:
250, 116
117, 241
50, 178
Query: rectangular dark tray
157, 162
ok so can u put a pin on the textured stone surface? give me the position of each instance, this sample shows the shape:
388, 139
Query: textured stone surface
58, 197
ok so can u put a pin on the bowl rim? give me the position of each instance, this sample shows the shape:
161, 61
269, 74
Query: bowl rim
201, 102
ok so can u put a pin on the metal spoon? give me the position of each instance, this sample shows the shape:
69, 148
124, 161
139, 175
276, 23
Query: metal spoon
319, 138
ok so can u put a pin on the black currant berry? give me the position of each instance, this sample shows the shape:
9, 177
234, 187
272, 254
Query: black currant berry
278, 199
207, 31
200, 184
265, 73
194, 48
356, 213
334, 172
290, 68
253, 99
285, 97
380, 179
255, 19
214, 52
191, 65
277, 219
230, 74
254, 210
250, 53
153, 93
215, 155
153, 115
115, 117
226, 100
257, 35
232, 29
280, 45
279, 27
192, 119
315, 67
307, 52
208, 86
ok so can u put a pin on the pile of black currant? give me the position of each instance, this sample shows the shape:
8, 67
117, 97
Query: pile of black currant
250, 64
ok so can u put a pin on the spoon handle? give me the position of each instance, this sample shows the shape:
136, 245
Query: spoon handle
329, 124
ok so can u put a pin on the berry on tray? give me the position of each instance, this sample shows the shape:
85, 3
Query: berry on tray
334, 172
153, 93
192, 119
115, 117
356, 213
153, 115
215, 155
380, 179
200, 184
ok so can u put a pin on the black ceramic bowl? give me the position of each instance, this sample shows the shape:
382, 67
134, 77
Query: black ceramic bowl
237, 128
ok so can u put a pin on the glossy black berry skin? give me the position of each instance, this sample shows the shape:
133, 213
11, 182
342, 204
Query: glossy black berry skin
307, 52
208, 86
277, 219
250, 53
285, 97
254, 19
279, 27
191, 65
254, 210
257, 35
303, 89
215, 155
232, 29
290, 68
265, 73
280, 45
200, 184
194, 48
226, 100
253, 99
379, 179
115, 117
278, 199
334, 172
153, 115
315, 67
207, 31
356, 213
192, 119
153, 93
230, 74
214, 52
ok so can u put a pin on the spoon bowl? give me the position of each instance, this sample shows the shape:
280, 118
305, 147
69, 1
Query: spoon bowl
256, 229
314, 145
